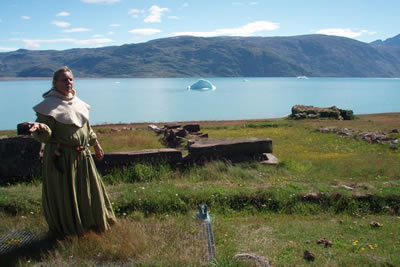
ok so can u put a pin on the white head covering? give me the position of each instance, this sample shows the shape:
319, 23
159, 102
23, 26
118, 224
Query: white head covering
64, 109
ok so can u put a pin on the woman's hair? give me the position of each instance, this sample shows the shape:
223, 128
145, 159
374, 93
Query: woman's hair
58, 72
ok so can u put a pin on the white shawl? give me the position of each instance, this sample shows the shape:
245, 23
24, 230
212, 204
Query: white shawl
64, 109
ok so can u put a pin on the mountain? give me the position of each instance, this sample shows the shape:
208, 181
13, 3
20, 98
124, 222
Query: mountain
184, 56
394, 41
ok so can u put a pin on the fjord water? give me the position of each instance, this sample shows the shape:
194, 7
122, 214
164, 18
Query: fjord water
168, 99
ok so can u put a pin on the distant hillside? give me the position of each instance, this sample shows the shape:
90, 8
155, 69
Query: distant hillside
394, 41
310, 55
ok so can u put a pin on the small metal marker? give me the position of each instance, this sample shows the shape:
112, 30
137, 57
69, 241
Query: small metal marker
203, 215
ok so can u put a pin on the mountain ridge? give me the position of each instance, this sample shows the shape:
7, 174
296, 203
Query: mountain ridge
187, 56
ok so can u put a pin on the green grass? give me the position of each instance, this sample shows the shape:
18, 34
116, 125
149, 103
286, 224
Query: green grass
274, 211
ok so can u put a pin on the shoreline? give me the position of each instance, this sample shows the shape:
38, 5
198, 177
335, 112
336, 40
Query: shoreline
387, 115
233, 122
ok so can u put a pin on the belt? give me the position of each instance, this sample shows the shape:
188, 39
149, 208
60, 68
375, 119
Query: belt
76, 148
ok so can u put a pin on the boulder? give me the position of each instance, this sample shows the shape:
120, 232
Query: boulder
311, 112
19, 158
235, 150
172, 126
113, 160
192, 128
174, 137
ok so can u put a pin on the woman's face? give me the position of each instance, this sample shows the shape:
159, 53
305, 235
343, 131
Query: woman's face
64, 83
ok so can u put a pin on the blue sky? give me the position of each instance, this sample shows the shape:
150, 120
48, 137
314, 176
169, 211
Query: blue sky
60, 25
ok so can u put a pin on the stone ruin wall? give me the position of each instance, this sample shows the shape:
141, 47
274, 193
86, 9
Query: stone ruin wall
20, 155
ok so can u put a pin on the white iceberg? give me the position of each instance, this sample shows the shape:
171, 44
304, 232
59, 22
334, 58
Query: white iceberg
202, 85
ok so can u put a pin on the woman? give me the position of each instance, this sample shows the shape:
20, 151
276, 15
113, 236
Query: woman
73, 195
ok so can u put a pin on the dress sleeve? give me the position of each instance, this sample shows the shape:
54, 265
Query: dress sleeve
92, 135
45, 135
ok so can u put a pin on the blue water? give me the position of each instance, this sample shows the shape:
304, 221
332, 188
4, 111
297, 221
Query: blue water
167, 99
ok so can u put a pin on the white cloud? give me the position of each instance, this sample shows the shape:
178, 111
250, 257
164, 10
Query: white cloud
134, 13
35, 44
344, 32
63, 14
185, 5
77, 30
61, 24
173, 17
110, 33
100, 1
97, 36
115, 25
155, 14
4, 48
246, 30
25, 17
253, 3
145, 31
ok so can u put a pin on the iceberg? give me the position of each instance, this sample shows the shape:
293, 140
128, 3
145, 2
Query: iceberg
202, 85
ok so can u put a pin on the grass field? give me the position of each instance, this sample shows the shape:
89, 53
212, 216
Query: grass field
326, 186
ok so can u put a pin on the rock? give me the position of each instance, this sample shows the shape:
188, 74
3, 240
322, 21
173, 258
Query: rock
174, 137
19, 158
375, 224
395, 131
346, 114
325, 242
373, 137
239, 149
258, 260
308, 255
366, 186
155, 129
269, 159
203, 135
172, 126
311, 112
179, 132
346, 187
325, 130
115, 160
192, 128
312, 196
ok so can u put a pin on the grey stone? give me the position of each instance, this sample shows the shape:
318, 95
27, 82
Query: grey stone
172, 126
114, 160
259, 261
192, 128
311, 112
19, 158
269, 159
229, 149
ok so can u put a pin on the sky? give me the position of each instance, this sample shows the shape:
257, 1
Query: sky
61, 25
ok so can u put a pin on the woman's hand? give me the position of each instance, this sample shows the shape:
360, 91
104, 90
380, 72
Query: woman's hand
99, 151
36, 126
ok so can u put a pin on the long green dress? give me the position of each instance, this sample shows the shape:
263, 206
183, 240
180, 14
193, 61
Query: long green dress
73, 195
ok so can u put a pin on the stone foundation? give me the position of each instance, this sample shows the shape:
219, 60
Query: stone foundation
311, 112
20, 160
